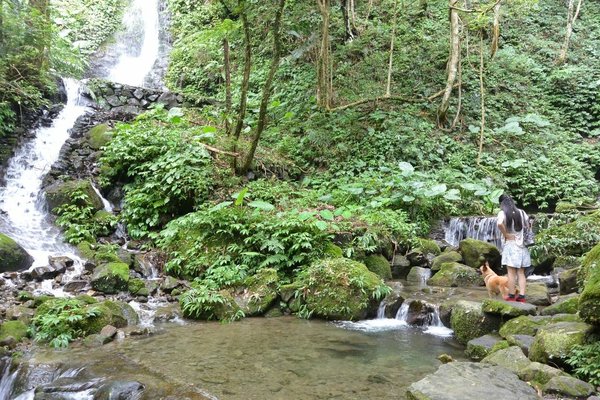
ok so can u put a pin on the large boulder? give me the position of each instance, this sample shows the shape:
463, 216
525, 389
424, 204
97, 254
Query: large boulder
564, 305
258, 293
469, 322
530, 324
568, 386
98, 136
476, 252
538, 294
60, 194
567, 281
339, 288
589, 301
445, 257
110, 278
12, 256
453, 274
554, 342
471, 381
507, 309
511, 358
418, 275
380, 265
539, 373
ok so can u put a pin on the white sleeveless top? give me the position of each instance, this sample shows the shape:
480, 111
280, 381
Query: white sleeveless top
518, 234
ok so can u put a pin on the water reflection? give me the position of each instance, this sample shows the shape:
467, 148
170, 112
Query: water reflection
280, 358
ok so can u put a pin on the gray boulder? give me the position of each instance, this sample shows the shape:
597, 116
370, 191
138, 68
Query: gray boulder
568, 386
471, 381
12, 256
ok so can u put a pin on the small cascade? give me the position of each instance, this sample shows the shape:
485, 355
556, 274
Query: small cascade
436, 326
7, 378
480, 228
381, 310
402, 314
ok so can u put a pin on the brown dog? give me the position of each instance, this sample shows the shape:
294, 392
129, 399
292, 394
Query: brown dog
497, 285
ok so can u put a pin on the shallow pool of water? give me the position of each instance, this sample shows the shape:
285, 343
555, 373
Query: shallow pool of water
276, 358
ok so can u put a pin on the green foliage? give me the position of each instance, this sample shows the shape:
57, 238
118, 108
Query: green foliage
79, 220
585, 361
166, 168
60, 321
204, 301
226, 242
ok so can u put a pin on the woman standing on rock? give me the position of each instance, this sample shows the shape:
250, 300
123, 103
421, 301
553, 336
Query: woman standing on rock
515, 255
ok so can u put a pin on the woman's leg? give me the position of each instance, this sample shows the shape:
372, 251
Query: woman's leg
522, 280
512, 277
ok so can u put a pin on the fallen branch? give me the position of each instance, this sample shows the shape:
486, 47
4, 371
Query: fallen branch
215, 150
441, 92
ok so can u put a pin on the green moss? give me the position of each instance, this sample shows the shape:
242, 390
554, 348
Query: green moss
469, 322
137, 287
538, 373
501, 345
445, 257
87, 299
380, 265
15, 329
590, 262
333, 251
506, 309
25, 296
110, 278
339, 288
98, 136
262, 291
12, 256
59, 194
428, 246
589, 301
523, 325
475, 252
567, 306
453, 274
553, 343
86, 251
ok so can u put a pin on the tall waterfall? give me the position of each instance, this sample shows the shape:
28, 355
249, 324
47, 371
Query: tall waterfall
24, 216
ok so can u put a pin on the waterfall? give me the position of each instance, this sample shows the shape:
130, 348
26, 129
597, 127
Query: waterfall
402, 314
7, 378
436, 327
139, 43
24, 217
480, 228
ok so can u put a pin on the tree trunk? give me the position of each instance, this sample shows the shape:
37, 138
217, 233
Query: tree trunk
571, 17
324, 78
227, 67
347, 7
388, 88
482, 95
495, 30
267, 88
452, 63
245, 82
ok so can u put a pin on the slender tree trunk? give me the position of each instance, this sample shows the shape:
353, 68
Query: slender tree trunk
267, 88
347, 7
452, 63
495, 30
324, 78
390, 62
227, 67
571, 17
245, 82
482, 95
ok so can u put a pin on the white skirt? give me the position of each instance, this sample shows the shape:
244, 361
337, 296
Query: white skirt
515, 256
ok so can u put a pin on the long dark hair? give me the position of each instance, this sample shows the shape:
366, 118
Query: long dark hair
514, 218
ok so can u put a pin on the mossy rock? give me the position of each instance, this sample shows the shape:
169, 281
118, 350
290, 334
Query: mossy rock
429, 247
477, 349
24, 296
566, 305
110, 278
12, 256
589, 301
501, 345
380, 265
98, 136
538, 294
137, 287
567, 281
453, 274
538, 373
106, 221
87, 299
418, 275
59, 194
476, 252
554, 342
258, 293
339, 288
511, 358
523, 325
591, 262
333, 251
568, 386
507, 309
85, 250
115, 313
469, 322
523, 341
445, 257
15, 329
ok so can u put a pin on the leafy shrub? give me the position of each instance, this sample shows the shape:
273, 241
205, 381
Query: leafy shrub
59, 321
204, 301
225, 243
80, 221
585, 360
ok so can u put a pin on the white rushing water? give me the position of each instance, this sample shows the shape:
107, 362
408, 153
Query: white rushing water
140, 43
24, 217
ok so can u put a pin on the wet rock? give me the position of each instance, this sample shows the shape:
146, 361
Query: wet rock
169, 284
12, 256
537, 294
43, 273
75, 286
455, 275
568, 386
471, 381
479, 348
469, 322
119, 390
475, 252
61, 264
511, 358
110, 278
59, 194
418, 275
63, 388
108, 331
539, 373
554, 342
400, 266
507, 309
447, 256
564, 305
523, 341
